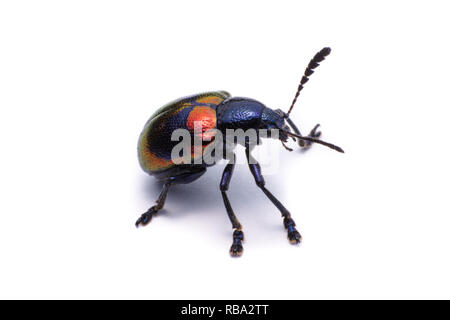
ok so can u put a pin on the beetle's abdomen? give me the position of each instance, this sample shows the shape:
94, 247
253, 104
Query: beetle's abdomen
155, 144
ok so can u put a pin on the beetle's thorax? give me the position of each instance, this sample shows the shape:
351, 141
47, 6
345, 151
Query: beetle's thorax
239, 113
245, 113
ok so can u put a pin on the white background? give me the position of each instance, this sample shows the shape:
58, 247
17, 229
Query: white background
78, 80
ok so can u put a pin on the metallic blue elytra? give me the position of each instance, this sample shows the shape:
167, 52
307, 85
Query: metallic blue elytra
218, 111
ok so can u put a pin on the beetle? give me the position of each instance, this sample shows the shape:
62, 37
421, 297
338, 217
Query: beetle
217, 110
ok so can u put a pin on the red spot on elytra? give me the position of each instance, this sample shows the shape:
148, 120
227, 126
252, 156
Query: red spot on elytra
206, 117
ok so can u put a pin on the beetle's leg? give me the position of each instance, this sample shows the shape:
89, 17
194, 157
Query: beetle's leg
293, 235
313, 134
147, 216
238, 236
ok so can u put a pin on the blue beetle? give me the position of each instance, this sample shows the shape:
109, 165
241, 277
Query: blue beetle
218, 110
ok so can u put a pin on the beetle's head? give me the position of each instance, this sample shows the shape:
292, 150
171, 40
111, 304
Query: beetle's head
280, 121
275, 120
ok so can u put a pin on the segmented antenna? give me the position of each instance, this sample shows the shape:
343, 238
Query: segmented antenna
329, 145
314, 63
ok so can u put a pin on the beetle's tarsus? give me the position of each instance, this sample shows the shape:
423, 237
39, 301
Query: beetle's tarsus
146, 217
293, 235
237, 248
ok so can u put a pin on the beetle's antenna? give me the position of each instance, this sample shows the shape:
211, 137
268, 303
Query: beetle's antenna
329, 145
314, 63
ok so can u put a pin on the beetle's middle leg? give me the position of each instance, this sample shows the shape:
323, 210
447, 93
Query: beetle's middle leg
293, 235
238, 236
148, 215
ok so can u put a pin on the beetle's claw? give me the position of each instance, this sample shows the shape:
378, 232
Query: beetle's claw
146, 217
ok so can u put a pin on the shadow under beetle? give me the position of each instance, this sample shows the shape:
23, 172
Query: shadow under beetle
218, 110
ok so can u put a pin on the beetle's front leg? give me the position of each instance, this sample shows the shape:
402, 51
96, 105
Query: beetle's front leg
294, 236
312, 134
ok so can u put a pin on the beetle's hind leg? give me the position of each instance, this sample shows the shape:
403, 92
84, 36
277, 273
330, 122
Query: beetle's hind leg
293, 235
238, 236
147, 216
